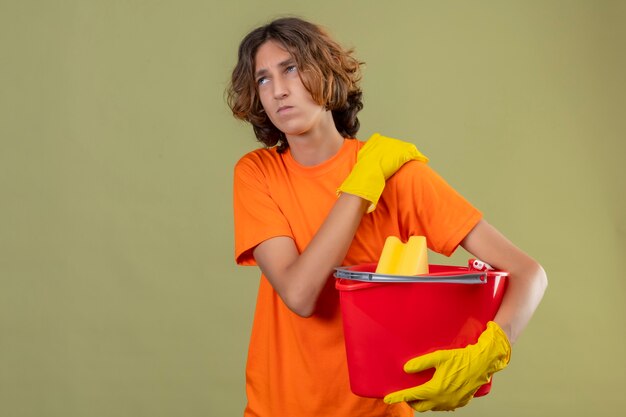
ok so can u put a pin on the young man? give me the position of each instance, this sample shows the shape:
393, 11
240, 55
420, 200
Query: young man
315, 198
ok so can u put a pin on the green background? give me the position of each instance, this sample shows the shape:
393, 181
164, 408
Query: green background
118, 290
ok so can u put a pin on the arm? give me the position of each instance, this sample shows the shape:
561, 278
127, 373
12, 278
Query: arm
460, 372
527, 281
299, 278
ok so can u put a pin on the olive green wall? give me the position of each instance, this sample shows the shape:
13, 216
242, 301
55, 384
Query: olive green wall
118, 291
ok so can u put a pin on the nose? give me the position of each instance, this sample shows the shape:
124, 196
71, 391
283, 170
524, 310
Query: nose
281, 89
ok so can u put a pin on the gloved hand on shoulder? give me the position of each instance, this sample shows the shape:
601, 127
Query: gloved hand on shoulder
378, 160
459, 372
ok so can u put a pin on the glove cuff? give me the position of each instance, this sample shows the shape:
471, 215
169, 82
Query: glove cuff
501, 345
369, 190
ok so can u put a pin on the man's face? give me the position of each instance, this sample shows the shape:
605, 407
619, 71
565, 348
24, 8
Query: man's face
286, 101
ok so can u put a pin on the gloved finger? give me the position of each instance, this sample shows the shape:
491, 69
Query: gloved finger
421, 392
423, 406
391, 146
451, 406
427, 361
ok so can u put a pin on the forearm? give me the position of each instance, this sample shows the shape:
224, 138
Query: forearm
326, 250
525, 289
299, 278
526, 283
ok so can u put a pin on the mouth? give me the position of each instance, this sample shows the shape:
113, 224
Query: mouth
283, 108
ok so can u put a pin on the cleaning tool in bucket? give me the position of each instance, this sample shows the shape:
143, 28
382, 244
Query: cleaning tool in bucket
400, 259
390, 319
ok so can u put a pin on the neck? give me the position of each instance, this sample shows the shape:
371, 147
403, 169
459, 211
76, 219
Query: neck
317, 145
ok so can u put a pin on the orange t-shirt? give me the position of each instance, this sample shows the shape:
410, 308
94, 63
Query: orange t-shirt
297, 366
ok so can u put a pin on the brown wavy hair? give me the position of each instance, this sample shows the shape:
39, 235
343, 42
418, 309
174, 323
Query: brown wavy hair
330, 73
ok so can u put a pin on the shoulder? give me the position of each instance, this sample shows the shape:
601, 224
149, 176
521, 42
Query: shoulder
418, 175
355, 143
261, 155
413, 170
257, 161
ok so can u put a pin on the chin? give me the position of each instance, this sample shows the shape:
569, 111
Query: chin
294, 131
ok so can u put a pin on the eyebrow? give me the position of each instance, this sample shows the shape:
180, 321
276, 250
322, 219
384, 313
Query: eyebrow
282, 64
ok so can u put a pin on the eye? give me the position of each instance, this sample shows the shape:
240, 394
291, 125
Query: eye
291, 68
262, 81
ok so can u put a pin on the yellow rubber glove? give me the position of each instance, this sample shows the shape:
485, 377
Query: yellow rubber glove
459, 372
378, 160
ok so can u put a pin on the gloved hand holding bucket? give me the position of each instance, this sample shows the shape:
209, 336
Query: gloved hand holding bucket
426, 339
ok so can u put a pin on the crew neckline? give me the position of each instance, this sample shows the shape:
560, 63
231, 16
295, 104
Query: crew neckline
326, 166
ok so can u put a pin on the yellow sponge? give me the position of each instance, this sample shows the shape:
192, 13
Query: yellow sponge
398, 258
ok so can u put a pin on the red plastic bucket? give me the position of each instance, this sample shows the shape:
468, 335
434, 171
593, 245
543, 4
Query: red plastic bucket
386, 324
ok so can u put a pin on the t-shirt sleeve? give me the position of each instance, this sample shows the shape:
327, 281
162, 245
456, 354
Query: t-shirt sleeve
257, 217
434, 208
